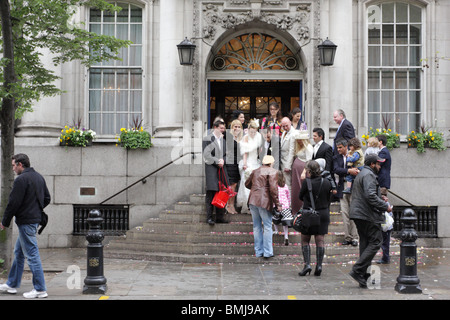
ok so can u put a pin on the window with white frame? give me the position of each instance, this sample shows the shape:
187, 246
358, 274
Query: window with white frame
394, 66
115, 86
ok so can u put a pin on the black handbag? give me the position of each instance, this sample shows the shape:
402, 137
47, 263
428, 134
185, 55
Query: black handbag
308, 219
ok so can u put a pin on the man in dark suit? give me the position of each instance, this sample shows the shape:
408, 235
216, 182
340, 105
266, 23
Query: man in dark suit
384, 176
345, 130
322, 149
214, 152
271, 146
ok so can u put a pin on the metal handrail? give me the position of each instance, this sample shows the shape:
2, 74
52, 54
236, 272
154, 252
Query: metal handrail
143, 179
396, 195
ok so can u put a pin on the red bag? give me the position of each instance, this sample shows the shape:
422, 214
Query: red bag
221, 197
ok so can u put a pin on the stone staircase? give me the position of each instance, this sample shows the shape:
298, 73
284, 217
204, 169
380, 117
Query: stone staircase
181, 234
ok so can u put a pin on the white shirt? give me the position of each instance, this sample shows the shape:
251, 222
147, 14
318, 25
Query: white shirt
317, 146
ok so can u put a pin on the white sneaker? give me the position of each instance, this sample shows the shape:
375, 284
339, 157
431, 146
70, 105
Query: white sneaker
35, 294
5, 288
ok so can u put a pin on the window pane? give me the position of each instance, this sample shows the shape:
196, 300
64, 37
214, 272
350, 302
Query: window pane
122, 79
123, 54
415, 14
122, 100
387, 101
401, 56
401, 123
136, 33
108, 100
388, 12
415, 34
136, 101
374, 79
414, 101
374, 56
374, 101
95, 122
108, 123
374, 34
122, 31
374, 120
401, 80
388, 56
108, 79
108, 29
414, 122
414, 57
136, 79
401, 12
94, 100
95, 15
388, 34
387, 79
401, 34
401, 101
136, 14
95, 79
135, 56
414, 79
122, 16
108, 16
122, 120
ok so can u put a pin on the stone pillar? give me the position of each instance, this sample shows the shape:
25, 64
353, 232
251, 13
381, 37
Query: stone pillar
171, 80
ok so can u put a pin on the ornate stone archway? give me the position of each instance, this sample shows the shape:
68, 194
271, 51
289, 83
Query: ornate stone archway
216, 20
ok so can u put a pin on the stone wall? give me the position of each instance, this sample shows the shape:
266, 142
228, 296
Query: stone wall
109, 169
422, 179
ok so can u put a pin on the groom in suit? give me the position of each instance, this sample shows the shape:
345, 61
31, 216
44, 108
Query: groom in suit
271, 146
214, 153
345, 130
322, 149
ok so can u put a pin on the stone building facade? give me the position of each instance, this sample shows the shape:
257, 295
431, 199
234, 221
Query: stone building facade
392, 64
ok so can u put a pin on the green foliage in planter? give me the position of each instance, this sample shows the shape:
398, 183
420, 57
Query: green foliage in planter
427, 139
135, 138
393, 138
74, 136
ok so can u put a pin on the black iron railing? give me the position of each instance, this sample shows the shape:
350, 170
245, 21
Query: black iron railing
427, 222
115, 219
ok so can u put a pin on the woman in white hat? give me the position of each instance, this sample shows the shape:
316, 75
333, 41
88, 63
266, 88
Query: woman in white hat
303, 152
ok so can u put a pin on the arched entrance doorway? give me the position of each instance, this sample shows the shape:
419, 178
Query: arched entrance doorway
249, 71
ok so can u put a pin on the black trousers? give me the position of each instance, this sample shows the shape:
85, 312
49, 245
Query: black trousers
370, 239
210, 208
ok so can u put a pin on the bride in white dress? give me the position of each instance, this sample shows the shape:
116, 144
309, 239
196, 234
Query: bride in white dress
250, 146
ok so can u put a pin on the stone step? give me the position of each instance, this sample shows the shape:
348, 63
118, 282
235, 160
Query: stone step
215, 237
345, 257
181, 234
200, 216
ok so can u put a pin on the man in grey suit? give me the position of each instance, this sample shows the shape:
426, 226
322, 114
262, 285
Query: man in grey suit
287, 149
214, 152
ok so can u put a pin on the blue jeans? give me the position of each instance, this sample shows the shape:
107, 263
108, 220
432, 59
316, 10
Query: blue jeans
26, 247
262, 231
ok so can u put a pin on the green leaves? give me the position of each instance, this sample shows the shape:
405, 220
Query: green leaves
45, 30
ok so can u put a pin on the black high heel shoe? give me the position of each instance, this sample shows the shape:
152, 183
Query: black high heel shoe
306, 250
318, 271
320, 252
306, 270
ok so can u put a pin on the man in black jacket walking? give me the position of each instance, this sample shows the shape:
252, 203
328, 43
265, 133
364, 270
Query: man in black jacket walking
26, 200
367, 210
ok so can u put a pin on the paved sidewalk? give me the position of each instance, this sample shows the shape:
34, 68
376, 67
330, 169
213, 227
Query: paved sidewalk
65, 271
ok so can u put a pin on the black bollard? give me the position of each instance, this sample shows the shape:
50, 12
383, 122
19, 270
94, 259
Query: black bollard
408, 281
95, 282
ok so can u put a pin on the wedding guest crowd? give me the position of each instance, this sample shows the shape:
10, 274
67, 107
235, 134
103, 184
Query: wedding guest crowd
268, 163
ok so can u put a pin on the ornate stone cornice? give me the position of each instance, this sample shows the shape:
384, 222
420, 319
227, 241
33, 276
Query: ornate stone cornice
285, 15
